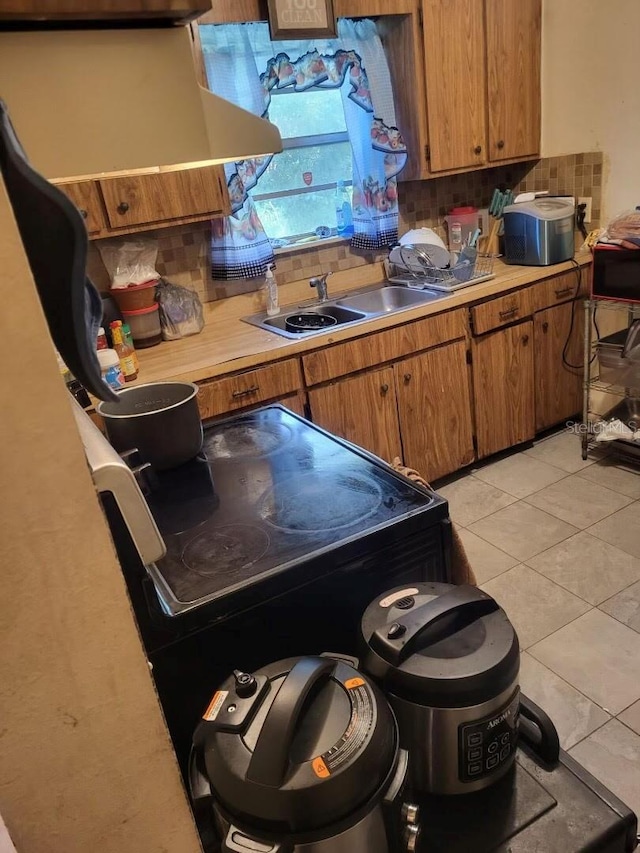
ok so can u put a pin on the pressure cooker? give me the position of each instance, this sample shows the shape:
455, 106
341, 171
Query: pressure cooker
301, 756
448, 660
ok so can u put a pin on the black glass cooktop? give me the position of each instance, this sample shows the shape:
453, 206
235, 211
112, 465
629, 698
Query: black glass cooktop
269, 491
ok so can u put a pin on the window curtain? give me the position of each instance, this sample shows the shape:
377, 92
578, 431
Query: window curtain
244, 66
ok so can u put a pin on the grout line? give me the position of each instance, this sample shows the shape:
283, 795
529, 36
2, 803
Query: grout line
573, 687
597, 728
555, 631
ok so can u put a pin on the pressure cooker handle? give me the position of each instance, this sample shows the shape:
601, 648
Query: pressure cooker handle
425, 625
237, 841
537, 730
270, 758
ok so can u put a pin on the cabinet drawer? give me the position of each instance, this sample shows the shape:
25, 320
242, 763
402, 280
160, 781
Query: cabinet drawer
245, 389
138, 199
502, 311
561, 288
328, 363
86, 197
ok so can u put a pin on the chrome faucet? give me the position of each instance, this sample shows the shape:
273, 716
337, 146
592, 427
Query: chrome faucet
320, 283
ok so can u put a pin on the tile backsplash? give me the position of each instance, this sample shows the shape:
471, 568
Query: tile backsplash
183, 251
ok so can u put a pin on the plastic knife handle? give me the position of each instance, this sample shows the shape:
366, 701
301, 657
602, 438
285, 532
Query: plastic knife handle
270, 758
425, 625
537, 730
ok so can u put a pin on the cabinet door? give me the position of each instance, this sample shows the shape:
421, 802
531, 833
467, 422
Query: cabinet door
159, 196
455, 72
503, 388
362, 410
86, 197
513, 77
434, 406
558, 337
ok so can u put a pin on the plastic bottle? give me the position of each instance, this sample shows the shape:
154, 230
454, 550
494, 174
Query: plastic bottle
128, 339
344, 216
110, 368
101, 342
272, 292
125, 354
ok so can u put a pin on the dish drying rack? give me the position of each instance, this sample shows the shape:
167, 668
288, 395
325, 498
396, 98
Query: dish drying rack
434, 278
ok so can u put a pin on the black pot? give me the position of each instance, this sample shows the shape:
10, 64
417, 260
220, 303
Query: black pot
309, 322
160, 419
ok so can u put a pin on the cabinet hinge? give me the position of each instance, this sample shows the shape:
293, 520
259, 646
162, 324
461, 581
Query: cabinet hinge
420, 17
474, 441
427, 153
469, 359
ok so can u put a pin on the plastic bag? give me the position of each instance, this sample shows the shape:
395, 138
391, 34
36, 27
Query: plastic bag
181, 311
624, 229
130, 261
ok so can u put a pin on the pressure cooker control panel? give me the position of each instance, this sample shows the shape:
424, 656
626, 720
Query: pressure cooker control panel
485, 745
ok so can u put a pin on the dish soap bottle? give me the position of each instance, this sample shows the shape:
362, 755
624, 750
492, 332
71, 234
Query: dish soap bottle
271, 287
344, 216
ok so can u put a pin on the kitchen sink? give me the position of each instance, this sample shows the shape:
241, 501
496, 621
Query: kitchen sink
388, 299
348, 310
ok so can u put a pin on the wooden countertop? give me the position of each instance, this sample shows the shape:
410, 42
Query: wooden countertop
228, 344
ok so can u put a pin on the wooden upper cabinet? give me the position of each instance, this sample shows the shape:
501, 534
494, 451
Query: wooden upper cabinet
513, 77
86, 197
455, 70
482, 69
160, 196
178, 11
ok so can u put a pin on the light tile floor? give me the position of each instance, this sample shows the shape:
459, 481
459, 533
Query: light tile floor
556, 540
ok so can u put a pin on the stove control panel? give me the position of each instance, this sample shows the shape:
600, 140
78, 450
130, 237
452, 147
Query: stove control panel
485, 745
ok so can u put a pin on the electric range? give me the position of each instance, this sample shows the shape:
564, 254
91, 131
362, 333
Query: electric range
278, 536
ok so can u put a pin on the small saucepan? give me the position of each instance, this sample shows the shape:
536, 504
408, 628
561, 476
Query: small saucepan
309, 322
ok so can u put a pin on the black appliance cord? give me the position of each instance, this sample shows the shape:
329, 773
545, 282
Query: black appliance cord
565, 361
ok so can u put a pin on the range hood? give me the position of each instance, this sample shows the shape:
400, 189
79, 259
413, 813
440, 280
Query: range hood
103, 102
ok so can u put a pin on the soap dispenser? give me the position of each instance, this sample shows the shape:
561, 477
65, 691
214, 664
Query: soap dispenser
272, 292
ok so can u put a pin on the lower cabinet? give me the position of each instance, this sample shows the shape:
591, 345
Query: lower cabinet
503, 388
362, 409
419, 410
434, 405
558, 341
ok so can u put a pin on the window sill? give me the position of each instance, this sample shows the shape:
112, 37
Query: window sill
310, 243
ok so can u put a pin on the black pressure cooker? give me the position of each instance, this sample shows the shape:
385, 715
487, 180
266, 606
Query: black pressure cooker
448, 660
301, 756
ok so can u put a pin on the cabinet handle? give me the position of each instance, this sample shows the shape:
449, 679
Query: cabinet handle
83, 212
525, 340
122, 207
545, 327
564, 291
500, 143
509, 312
477, 149
407, 377
246, 392
383, 389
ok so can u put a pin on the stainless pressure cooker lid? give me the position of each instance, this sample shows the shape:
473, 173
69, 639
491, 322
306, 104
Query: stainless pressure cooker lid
297, 745
440, 645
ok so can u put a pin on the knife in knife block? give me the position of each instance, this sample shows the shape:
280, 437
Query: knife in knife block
489, 245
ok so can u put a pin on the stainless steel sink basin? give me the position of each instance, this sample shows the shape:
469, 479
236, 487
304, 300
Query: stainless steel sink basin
388, 299
340, 315
359, 307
